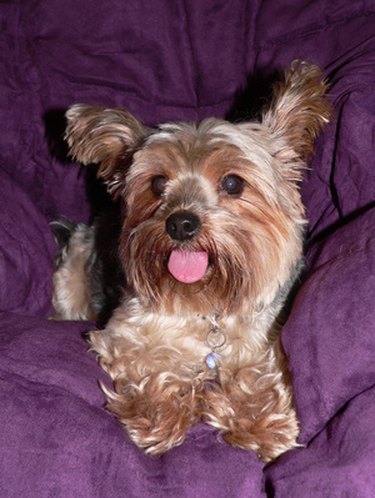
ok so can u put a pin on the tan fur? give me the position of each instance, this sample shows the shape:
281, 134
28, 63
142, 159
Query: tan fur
156, 344
71, 291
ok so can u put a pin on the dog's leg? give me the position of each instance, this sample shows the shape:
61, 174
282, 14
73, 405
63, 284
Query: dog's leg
156, 397
253, 406
72, 293
156, 410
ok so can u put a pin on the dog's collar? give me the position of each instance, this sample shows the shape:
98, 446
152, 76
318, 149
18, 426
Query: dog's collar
216, 340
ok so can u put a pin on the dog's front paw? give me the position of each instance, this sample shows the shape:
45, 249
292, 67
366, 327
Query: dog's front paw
156, 412
262, 420
153, 435
269, 436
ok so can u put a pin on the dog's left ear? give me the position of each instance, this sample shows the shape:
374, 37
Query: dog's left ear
104, 137
299, 108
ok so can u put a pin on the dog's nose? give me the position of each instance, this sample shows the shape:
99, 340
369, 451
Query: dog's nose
183, 225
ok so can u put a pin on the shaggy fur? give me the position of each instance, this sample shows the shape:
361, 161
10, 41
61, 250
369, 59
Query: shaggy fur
184, 348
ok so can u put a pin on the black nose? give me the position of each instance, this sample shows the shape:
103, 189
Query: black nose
183, 225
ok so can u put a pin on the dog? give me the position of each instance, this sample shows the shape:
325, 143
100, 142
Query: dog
207, 249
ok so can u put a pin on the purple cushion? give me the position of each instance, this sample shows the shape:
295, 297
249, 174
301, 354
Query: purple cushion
341, 180
27, 251
338, 462
58, 440
330, 336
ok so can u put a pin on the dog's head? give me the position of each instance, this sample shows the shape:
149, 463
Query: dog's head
213, 216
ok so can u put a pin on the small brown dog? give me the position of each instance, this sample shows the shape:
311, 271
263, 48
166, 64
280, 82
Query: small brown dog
211, 244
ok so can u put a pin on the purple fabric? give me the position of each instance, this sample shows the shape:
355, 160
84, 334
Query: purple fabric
165, 61
57, 440
27, 251
330, 333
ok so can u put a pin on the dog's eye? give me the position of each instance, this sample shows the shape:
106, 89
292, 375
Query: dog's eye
158, 184
232, 185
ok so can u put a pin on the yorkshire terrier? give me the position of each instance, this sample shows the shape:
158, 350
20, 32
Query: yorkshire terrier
208, 248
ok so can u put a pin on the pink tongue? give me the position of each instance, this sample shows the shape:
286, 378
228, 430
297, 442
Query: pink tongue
188, 266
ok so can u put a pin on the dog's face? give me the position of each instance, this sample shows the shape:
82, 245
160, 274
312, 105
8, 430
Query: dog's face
213, 216
210, 223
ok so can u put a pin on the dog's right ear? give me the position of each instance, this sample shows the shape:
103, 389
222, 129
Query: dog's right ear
102, 136
299, 108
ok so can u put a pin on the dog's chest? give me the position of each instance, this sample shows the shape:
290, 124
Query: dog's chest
203, 341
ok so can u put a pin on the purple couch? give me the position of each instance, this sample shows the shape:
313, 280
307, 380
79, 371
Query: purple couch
179, 60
